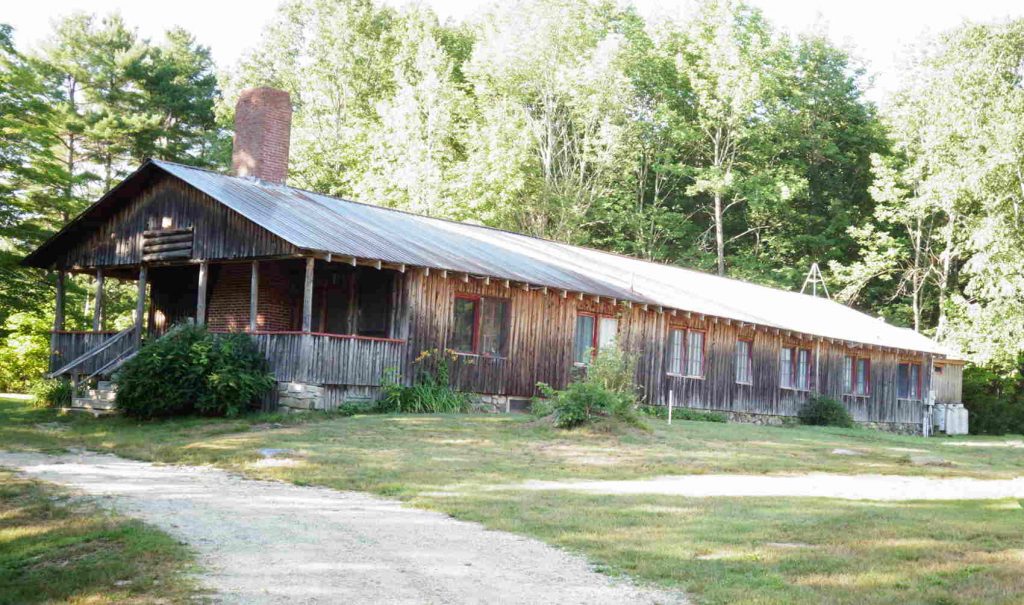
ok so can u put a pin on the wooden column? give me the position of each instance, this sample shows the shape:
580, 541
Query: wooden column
254, 295
97, 312
58, 322
307, 322
204, 272
140, 304
307, 297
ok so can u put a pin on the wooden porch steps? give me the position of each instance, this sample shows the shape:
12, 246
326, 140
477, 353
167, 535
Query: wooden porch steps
98, 402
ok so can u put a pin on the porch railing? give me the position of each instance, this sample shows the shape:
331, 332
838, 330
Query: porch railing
89, 353
330, 358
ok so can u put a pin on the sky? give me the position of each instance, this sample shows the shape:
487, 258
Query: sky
876, 31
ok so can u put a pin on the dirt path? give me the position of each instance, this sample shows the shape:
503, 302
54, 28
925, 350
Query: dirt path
268, 542
819, 485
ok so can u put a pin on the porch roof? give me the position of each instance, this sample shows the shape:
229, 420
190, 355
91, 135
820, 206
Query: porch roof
324, 224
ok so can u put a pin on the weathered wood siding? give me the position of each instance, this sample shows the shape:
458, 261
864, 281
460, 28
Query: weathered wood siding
541, 339
949, 379
218, 232
330, 359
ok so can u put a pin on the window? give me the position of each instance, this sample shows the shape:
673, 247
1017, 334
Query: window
803, 369
481, 325
847, 374
786, 368
686, 352
593, 333
744, 362
675, 351
908, 381
856, 376
795, 368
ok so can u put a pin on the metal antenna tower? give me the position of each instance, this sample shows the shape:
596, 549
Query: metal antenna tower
814, 278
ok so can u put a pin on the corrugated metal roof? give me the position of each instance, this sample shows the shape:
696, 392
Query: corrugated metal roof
320, 223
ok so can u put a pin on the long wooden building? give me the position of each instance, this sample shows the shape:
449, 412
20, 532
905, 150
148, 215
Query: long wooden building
337, 293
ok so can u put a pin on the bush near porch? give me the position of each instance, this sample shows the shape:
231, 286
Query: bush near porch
190, 371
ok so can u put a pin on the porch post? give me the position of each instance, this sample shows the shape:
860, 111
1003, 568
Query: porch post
204, 270
140, 304
307, 297
307, 322
254, 294
97, 312
58, 321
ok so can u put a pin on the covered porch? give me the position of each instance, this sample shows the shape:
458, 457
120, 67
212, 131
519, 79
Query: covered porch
318, 321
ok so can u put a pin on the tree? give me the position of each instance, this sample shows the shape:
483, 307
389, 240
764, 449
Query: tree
951, 191
730, 58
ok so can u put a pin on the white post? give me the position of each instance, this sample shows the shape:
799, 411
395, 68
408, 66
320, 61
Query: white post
671, 398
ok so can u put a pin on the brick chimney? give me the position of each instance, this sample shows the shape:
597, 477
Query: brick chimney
263, 123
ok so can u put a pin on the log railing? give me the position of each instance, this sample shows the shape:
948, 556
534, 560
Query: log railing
317, 358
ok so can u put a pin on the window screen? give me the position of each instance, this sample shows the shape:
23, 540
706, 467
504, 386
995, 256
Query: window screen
847, 374
675, 351
862, 377
786, 367
584, 344
494, 325
607, 333
803, 369
694, 353
744, 371
464, 321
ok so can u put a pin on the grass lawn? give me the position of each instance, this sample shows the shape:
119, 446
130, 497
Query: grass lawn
721, 550
56, 549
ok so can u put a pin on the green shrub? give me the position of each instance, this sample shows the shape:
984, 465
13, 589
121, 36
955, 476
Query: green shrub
430, 393
605, 390
540, 407
237, 376
825, 411
55, 393
661, 411
190, 371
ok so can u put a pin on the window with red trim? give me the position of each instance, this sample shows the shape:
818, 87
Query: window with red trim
593, 333
908, 381
480, 325
686, 352
795, 368
856, 375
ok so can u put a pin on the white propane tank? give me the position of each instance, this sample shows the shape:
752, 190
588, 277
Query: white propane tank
952, 420
963, 420
940, 417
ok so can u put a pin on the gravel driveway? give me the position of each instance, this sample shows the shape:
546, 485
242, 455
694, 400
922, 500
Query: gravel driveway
269, 542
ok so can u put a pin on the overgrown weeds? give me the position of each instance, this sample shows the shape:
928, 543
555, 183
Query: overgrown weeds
431, 391
605, 390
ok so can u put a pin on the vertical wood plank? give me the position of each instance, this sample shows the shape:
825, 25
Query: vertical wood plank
97, 312
254, 294
204, 272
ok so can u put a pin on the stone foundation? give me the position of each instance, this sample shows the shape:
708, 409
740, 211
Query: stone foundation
490, 404
299, 397
900, 428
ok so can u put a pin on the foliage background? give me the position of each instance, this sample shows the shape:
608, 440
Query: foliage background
714, 141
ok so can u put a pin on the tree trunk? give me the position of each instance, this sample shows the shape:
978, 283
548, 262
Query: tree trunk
719, 234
